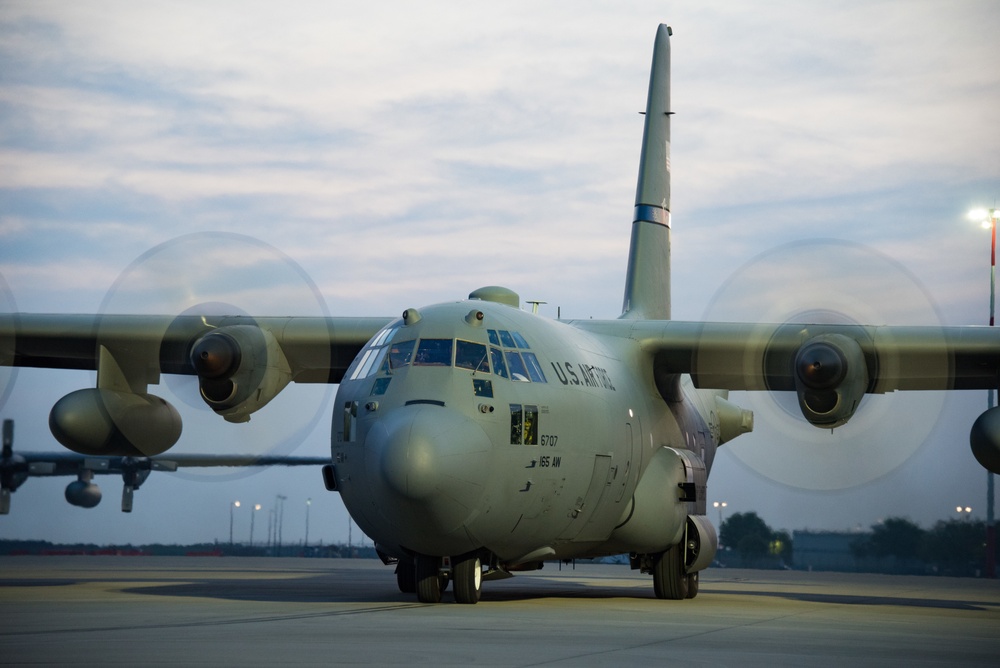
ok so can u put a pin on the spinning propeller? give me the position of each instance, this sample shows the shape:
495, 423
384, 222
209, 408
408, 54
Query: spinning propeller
211, 279
828, 282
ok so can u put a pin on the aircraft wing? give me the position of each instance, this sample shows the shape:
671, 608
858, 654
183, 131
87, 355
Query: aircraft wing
830, 366
241, 364
316, 350
740, 356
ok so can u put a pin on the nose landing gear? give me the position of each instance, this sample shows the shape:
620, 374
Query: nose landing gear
428, 577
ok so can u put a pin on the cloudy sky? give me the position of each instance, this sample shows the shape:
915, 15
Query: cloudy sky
405, 154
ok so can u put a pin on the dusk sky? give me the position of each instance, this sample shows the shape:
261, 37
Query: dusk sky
359, 160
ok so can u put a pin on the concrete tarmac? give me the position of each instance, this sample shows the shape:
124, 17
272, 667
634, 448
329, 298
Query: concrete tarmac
246, 611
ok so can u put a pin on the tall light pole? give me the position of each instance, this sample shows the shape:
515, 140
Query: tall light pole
232, 506
308, 503
253, 514
988, 218
271, 533
279, 516
720, 505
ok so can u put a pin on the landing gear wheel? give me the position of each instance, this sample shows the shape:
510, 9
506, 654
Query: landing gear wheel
692, 585
406, 576
669, 579
467, 573
428, 575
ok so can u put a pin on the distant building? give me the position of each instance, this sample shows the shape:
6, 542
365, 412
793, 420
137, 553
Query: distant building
829, 551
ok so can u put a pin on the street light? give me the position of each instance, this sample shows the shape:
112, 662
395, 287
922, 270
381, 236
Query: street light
233, 506
963, 509
252, 515
988, 219
720, 505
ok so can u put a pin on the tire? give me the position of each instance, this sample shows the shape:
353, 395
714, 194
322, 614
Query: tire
406, 576
467, 574
428, 576
669, 579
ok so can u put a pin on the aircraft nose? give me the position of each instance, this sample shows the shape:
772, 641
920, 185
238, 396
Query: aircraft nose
433, 461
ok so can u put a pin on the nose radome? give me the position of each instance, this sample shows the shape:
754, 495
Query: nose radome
425, 450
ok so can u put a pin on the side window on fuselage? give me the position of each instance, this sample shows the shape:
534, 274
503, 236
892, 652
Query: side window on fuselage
516, 424
523, 424
531, 425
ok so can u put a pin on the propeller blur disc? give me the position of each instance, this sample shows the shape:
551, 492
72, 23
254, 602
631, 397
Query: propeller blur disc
828, 282
217, 273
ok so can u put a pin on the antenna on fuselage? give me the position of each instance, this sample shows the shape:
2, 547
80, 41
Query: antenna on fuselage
647, 280
534, 305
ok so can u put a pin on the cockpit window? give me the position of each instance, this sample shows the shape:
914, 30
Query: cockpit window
469, 355
433, 352
534, 368
517, 369
512, 363
373, 358
499, 366
384, 336
400, 354
369, 360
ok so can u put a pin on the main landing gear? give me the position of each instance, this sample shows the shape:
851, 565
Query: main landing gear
669, 579
428, 577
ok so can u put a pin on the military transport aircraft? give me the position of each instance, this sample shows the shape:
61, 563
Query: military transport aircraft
473, 439
16, 468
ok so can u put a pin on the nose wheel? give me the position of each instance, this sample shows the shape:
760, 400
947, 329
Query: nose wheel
430, 581
467, 572
425, 576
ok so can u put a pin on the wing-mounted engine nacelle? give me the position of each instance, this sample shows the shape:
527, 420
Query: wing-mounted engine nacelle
97, 421
831, 377
985, 439
82, 492
240, 369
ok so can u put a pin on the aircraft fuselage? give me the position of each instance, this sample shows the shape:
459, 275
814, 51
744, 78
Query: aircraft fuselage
477, 426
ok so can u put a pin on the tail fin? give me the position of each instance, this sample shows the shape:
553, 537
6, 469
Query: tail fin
647, 282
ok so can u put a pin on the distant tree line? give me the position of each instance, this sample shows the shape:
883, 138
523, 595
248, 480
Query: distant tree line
954, 547
46, 548
950, 547
746, 541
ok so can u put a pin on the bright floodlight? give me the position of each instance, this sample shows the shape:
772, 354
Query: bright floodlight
979, 214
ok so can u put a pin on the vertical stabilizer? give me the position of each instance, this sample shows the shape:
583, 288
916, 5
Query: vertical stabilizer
647, 282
